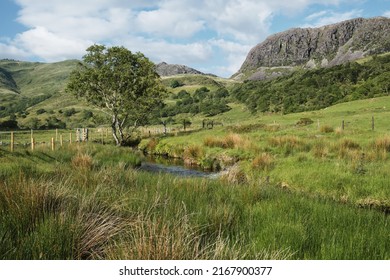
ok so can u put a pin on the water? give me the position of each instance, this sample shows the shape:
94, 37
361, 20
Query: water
173, 166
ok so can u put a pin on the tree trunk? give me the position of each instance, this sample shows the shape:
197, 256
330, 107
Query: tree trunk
114, 130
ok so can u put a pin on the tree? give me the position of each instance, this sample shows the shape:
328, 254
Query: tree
122, 84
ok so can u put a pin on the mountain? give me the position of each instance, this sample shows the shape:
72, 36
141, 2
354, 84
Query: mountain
164, 69
329, 45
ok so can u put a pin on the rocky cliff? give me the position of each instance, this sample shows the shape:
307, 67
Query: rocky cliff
318, 47
165, 69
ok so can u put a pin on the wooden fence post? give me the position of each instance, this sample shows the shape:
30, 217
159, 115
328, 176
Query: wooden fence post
372, 123
12, 141
32, 144
52, 144
56, 134
61, 140
342, 125
70, 138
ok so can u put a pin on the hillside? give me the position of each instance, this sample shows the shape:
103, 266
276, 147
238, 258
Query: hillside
317, 47
306, 90
33, 93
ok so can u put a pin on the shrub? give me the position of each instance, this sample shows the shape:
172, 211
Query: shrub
41, 111
304, 121
70, 112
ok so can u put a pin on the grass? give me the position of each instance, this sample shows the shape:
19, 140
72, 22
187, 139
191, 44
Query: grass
81, 203
287, 191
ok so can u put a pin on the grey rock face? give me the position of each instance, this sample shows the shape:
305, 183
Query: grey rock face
164, 69
325, 46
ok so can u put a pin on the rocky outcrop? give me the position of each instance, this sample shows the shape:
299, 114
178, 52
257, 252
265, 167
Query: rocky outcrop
320, 47
164, 69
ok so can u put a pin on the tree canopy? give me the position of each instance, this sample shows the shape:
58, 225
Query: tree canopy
123, 84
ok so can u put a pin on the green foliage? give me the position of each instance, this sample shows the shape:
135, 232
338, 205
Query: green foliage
307, 90
41, 111
70, 112
123, 84
175, 84
9, 124
203, 100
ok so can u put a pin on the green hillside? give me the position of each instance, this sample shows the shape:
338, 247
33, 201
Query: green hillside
306, 90
33, 93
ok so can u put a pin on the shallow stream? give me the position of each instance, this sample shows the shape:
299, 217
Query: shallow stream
175, 167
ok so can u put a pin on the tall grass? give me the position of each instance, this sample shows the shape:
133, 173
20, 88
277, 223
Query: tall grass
109, 211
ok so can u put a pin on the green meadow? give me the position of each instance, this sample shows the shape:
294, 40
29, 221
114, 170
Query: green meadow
294, 186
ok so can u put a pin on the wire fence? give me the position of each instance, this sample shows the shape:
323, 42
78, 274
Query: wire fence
55, 137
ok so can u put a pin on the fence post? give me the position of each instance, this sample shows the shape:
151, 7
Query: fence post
12, 141
32, 144
52, 144
61, 140
70, 138
56, 134
342, 125
372, 123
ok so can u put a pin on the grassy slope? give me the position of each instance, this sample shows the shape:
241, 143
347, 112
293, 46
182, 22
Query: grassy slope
347, 165
35, 79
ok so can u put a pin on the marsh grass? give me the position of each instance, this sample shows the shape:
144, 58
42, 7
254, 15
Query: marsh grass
115, 212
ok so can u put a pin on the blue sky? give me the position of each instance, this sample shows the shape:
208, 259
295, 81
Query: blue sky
213, 36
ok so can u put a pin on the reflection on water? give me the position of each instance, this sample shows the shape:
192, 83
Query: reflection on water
173, 166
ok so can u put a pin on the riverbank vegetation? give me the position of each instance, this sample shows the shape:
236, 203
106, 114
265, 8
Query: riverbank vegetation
89, 202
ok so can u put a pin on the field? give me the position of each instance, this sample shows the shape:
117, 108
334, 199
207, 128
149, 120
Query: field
295, 186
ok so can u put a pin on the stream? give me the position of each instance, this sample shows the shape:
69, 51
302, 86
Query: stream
175, 167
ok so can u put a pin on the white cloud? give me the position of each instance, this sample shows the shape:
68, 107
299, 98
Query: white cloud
161, 50
12, 52
330, 17
386, 14
42, 43
169, 23
175, 31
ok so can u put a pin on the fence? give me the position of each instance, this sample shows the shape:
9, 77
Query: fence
52, 138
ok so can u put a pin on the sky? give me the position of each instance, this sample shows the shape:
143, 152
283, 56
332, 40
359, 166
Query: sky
213, 36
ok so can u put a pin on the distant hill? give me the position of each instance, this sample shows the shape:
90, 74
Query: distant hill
317, 47
33, 93
164, 69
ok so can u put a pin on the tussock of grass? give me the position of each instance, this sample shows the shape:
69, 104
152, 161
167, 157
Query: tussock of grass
326, 129
382, 144
263, 162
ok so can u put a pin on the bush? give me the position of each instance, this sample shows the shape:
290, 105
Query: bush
41, 111
304, 121
70, 112
175, 84
10, 124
